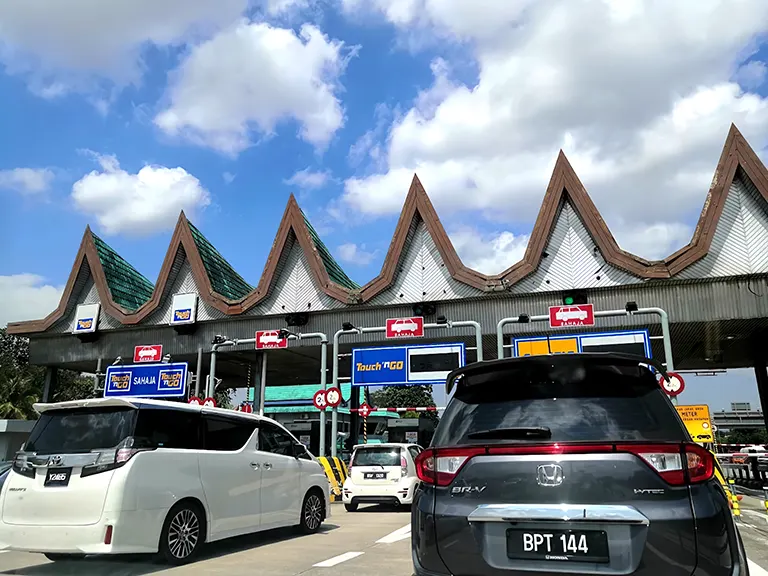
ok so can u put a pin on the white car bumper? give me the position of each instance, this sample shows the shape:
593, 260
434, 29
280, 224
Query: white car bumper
133, 532
396, 493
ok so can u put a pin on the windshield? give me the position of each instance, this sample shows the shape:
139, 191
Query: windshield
376, 457
572, 401
81, 430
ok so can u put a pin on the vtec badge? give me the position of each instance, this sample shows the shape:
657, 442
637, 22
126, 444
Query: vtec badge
459, 490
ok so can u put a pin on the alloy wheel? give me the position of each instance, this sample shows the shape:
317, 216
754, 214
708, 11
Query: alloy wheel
183, 533
313, 512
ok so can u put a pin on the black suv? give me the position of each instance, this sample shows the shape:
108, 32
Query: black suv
568, 464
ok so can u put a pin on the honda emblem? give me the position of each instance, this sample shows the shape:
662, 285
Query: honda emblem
549, 475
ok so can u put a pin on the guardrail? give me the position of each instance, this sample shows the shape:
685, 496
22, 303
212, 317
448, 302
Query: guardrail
749, 470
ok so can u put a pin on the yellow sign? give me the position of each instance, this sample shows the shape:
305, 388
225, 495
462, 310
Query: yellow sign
554, 346
698, 422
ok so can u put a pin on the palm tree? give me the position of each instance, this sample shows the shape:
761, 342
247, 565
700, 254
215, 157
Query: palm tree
17, 395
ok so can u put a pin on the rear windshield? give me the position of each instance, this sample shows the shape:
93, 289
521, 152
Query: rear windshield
81, 430
376, 457
577, 401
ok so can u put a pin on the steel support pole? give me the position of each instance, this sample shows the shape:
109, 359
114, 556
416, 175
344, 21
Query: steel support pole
199, 371
263, 384
370, 330
663, 320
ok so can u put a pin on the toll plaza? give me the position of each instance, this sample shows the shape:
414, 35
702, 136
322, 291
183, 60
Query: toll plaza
305, 343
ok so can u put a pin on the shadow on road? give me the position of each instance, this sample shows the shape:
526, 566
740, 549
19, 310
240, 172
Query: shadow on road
140, 564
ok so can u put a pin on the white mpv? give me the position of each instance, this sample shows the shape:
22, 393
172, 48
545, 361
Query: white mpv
117, 476
381, 474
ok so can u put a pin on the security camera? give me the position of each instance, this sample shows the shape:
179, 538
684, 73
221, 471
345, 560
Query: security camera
118, 361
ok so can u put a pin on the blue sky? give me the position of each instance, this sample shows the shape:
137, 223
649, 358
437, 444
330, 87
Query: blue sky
121, 119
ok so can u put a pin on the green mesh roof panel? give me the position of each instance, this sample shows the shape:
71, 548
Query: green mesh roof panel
335, 272
129, 288
224, 279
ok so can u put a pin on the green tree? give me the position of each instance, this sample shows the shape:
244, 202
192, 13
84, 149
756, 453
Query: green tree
746, 436
18, 393
405, 397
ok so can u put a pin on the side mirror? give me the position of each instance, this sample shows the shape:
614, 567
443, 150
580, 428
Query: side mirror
299, 450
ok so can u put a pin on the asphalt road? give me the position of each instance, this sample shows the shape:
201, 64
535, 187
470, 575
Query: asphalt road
374, 541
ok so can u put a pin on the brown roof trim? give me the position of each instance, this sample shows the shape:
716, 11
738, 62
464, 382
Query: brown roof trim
737, 153
418, 203
563, 184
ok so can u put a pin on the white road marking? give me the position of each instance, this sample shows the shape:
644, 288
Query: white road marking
337, 559
755, 570
756, 514
396, 536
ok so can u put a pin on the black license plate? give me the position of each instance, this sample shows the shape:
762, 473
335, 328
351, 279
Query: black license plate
558, 545
57, 476
374, 475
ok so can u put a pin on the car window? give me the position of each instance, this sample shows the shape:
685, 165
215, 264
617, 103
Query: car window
414, 451
227, 434
273, 439
163, 428
577, 400
81, 429
384, 456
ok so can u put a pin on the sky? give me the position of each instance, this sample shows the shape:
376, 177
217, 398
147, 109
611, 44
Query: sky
121, 114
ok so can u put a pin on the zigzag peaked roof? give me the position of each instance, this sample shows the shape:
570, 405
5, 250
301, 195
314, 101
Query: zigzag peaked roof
224, 289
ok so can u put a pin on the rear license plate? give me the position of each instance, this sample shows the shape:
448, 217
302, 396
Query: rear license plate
558, 545
57, 476
374, 475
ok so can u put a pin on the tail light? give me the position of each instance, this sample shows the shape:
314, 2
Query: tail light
677, 464
110, 460
403, 466
22, 466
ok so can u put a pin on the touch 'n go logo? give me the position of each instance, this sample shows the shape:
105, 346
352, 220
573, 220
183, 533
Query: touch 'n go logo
182, 315
85, 324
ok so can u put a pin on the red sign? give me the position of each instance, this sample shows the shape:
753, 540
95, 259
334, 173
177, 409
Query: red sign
267, 339
405, 327
152, 353
333, 397
210, 402
320, 400
245, 407
574, 315
196, 401
364, 410
675, 385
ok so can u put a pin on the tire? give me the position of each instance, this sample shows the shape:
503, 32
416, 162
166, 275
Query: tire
312, 512
351, 507
183, 533
56, 557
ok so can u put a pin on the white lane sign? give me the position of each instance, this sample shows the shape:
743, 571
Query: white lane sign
674, 386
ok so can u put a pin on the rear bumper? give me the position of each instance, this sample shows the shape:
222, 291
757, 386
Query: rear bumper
396, 493
133, 532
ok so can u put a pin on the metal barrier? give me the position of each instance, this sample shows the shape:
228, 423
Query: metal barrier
370, 330
285, 334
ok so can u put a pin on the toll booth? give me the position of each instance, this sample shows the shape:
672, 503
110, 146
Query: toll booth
308, 433
411, 431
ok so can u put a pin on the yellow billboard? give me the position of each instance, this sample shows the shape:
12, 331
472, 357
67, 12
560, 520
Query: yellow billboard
540, 347
698, 422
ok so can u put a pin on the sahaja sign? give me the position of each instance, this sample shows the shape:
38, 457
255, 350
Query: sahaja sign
146, 380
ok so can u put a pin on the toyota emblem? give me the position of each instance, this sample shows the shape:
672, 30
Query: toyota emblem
54, 460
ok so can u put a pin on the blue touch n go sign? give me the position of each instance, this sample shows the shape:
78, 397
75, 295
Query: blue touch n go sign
146, 380
405, 365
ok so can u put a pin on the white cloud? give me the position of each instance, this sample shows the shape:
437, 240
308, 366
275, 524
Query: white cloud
228, 177
638, 94
26, 180
308, 180
353, 254
250, 78
79, 44
138, 204
489, 253
26, 297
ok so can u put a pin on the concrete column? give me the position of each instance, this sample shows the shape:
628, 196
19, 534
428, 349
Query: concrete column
761, 375
49, 386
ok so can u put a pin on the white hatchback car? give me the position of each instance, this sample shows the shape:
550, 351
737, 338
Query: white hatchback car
116, 476
381, 474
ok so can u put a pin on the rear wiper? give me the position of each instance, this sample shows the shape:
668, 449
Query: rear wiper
515, 433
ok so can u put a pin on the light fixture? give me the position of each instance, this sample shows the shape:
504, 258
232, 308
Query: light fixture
441, 320
118, 361
283, 334
347, 326
523, 319
219, 339
631, 307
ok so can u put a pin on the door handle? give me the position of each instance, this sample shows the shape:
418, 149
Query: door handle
267, 466
255, 465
